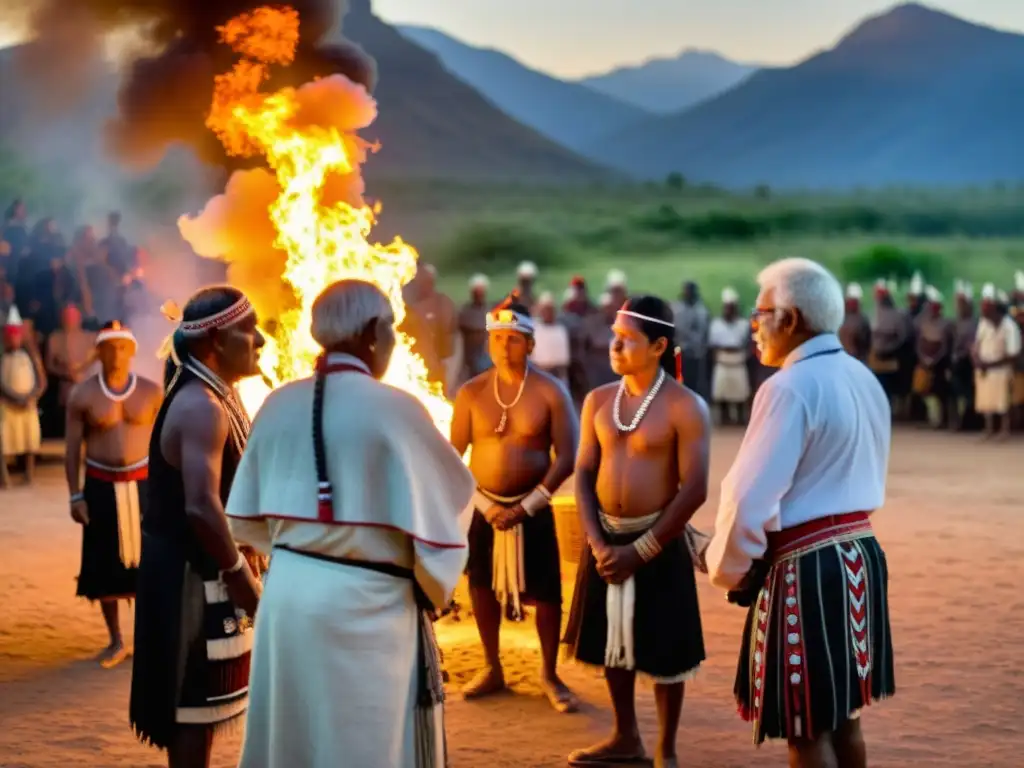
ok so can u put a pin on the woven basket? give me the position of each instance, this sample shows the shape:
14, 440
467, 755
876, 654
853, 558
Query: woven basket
567, 528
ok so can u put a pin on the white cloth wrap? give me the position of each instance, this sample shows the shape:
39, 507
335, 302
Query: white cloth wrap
620, 605
508, 564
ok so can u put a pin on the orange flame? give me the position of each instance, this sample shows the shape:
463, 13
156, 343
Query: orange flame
324, 240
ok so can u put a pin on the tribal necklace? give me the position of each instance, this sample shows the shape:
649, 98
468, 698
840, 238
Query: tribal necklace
121, 396
617, 408
500, 429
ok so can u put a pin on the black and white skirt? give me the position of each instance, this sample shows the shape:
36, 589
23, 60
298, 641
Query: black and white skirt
817, 646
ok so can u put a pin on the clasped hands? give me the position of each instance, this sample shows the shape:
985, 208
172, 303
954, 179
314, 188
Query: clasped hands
503, 518
615, 564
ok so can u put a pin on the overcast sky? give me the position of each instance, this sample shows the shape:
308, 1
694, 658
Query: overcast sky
578, 37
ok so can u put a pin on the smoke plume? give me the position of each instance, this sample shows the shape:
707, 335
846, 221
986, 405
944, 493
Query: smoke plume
173, 55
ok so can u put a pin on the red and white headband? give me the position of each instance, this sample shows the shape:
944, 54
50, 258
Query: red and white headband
237, 312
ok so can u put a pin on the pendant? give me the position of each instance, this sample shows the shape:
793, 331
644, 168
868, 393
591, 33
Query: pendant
500, 429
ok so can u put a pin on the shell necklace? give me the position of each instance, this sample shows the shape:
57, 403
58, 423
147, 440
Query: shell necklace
617, 409
119, 397
500, 429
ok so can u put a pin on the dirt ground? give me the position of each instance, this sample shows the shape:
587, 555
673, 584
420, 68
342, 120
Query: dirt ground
952, 529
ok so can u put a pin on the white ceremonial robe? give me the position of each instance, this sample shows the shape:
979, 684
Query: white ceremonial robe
730, 381
20, 431
334, 664
993, 388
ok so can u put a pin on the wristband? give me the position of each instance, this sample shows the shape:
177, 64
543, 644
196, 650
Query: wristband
77, 497
536, 500
238, 564
647, 547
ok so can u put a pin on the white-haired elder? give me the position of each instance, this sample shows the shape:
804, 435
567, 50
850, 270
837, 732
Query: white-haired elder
793, 541
356, 494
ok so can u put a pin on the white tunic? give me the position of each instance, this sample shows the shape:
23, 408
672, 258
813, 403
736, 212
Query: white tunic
992, 388
730, 382
550, 346
19, 427
334, 665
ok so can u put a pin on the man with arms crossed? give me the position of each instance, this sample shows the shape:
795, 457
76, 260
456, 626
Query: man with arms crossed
111, 415
196, 592
793, 540
512, 416
641, 474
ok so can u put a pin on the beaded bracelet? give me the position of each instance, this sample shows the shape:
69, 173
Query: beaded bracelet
536, 500
77, 497
238, 564
647, 547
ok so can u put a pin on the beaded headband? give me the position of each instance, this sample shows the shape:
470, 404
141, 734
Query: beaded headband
116, 331
509, 320
648, 318
237, 312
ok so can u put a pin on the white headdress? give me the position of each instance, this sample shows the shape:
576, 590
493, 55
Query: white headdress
13, 318
605, 300
114, 332
916, 285
932, 294
729, 296
968, 291
479, 281
616, 279
527, 269
988, 292
546, 299
854, 291
1018, 282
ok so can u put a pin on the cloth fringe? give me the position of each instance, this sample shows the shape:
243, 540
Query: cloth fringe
508, 561
620, 600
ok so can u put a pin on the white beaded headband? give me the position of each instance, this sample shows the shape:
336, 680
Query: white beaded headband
111, 334
509, 320
646, 317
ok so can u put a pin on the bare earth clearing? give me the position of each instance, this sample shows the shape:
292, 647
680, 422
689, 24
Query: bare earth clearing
952, 529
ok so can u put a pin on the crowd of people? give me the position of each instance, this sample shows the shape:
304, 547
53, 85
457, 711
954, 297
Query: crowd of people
54, 299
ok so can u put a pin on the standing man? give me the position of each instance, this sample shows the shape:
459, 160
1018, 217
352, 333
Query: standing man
472, 323
526, 279
439, 316
855, 332
961, 377
196, 591
70, 358
793, 538
889, 335
596, 336
514, 416
551, 343
997, 344
934, 347
729, 341
641, 474
692, 326
111, 415
345, 665
22, 383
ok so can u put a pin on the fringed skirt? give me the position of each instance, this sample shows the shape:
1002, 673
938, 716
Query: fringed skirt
816, 645
650, 624
112, 541
192, 646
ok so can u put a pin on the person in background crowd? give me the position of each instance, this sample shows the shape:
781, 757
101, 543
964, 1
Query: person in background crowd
70, 353
120, 255
917, 298
855, 333
997, 345
961, 372
889, 334
15, 233
693, 323
526, 279
551, 345
576, 308
729, 340
597, 335
81, 257
440, 318
934, 351
22, 383
53, 289
914, 315
7, 262
616, 286
7, 298
472, 324
576, 301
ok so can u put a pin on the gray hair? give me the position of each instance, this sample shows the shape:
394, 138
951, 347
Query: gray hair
806, 286
343, 310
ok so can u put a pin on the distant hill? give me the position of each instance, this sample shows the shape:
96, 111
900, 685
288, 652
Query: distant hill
664, 85
571, 114
432, 124
912, 96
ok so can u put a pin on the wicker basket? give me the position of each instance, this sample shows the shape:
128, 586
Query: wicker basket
567, 528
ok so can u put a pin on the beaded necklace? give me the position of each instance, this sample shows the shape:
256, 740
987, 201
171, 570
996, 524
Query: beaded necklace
651, 394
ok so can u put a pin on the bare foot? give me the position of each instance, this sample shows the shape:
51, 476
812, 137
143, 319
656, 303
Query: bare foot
616, 750
558, 693
113, 655
487, 681
666, 761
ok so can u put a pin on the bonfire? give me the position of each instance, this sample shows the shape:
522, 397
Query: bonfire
324, 233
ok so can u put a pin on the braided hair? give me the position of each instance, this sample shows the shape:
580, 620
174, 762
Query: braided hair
652, 306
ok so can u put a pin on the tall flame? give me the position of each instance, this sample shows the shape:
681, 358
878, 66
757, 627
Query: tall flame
324, 240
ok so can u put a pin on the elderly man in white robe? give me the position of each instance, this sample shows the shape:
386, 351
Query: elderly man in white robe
793, 541
361, 516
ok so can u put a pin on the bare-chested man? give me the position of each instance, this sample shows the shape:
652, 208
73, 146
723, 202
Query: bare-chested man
641, 474
111, 415
70, 352
196, 591
512, 416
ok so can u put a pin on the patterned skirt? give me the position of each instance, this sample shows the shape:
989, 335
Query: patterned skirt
817, 645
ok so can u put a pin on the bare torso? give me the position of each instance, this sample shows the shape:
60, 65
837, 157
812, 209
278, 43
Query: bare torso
118, 433
516, 460
639, 471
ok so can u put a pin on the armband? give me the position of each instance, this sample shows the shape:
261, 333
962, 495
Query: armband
647, 547
238, 564
536, 500
77, 497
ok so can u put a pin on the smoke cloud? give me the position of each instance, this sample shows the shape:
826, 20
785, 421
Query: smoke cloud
173, 55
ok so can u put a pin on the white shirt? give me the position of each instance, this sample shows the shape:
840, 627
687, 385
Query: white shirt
817, 445
994, 342
723, 333
550, 345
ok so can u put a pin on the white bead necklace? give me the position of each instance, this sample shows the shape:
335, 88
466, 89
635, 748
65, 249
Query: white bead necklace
117, 398
500, 429
616, 410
